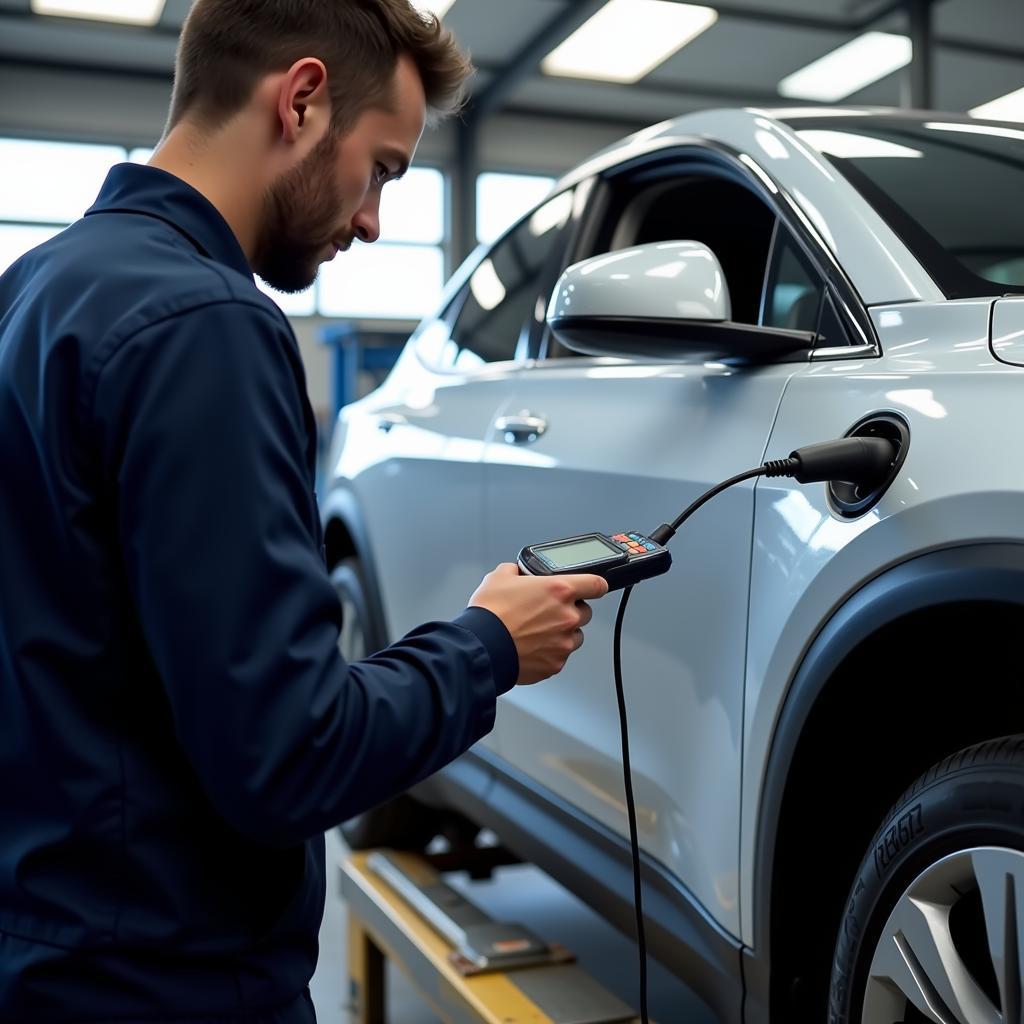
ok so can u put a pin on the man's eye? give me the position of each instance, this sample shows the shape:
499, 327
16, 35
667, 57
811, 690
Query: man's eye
382, 173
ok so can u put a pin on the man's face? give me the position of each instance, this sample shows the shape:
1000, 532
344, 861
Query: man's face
316, 209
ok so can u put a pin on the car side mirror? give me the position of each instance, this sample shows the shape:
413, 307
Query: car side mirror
663, 300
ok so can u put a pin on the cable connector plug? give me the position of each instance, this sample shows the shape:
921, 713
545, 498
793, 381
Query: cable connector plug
863, 461
782, 467
662, 535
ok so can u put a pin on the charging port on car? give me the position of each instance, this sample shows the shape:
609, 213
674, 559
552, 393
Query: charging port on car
852, 500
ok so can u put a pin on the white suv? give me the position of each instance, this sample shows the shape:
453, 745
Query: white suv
824, 693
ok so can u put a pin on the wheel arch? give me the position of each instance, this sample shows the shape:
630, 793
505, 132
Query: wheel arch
915, 616
347, 536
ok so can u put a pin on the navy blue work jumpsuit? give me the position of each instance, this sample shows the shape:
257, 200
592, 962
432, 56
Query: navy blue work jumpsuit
177, 728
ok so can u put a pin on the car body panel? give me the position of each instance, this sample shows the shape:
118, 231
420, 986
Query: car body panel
951, 491
1007, 331
411, 452
628, 446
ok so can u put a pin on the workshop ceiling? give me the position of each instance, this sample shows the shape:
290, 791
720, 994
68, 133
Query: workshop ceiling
740, 60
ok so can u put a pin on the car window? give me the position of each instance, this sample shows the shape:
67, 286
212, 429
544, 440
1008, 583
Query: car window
503, 298
730, 219
794, 289
772, 282
831, 331
796, 297
948, 187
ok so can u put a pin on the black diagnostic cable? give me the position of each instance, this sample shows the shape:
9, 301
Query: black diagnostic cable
865, 461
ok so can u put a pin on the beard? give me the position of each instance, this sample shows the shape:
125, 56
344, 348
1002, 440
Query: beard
301, 210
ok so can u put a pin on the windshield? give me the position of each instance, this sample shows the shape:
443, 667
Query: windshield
951, 190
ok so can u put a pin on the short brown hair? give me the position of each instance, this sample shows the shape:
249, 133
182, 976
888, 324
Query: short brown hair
226, 46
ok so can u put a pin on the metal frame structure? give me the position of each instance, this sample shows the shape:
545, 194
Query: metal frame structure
53, 43
382, 926
494, 97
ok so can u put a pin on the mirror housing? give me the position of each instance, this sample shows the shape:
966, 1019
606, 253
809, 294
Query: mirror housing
663, 300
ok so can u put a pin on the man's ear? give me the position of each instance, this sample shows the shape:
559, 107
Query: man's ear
303, 103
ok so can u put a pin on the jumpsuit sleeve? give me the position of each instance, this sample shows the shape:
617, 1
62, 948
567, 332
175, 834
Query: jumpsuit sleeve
203, 446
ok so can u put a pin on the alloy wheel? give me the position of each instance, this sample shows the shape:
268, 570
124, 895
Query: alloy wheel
951, 950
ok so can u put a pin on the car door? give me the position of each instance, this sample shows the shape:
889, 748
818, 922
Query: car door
412, 460
414, 447
624, 446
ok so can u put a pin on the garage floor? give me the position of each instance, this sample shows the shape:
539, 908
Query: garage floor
521, 894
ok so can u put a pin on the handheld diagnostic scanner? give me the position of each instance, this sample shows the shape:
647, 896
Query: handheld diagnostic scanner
622, 559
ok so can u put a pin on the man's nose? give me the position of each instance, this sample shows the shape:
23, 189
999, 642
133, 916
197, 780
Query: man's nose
366, 223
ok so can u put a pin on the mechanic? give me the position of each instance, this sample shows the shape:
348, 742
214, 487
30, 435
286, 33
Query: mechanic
177, 728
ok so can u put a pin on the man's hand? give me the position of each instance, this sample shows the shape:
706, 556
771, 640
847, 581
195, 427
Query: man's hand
544, 614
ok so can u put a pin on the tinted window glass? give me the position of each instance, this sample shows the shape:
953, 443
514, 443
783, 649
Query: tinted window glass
831, 332
728, 218
950, 190
502, 300
794, 288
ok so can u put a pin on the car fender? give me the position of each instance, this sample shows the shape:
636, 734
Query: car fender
972, 572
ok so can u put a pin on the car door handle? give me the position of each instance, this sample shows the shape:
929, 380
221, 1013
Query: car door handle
388, 420
522, 429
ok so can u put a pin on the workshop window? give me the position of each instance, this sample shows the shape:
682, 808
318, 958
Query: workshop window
402, 275
51, 182
44, 186
501, 199
400, 281
17, 239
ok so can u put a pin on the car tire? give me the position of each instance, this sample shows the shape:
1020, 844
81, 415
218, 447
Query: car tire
360, 634
936, 914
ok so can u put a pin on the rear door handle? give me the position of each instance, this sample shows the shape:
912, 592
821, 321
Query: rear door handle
522, 429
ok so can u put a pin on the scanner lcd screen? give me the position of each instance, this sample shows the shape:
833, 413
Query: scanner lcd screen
564, 556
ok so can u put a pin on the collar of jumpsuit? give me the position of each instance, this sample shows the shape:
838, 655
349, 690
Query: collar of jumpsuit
136, 188
177, 726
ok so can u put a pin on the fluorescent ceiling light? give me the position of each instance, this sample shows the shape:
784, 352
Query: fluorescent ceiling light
626, 39
849, 69
851, 145
131, 12
1005, 108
